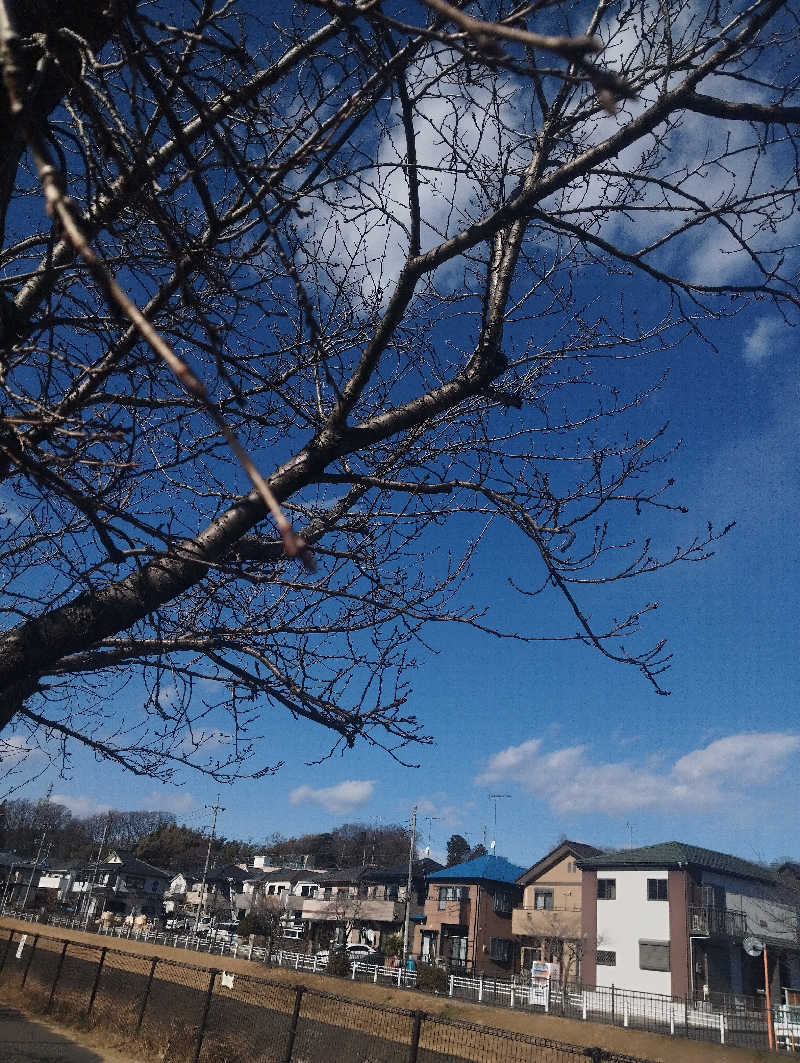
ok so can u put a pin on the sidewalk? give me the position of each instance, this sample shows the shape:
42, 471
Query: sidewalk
24, 1040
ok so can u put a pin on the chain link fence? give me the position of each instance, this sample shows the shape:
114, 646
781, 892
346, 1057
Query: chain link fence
189, 1014
740, 1021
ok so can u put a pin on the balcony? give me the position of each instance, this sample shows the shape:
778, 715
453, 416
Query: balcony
547, 922
356, 909
717, 922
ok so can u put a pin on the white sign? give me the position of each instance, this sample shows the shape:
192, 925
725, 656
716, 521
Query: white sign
227, 980
21, 945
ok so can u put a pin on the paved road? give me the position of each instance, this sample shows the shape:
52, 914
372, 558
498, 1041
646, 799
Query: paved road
24, 1041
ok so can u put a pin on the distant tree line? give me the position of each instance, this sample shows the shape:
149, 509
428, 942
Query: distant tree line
157, 838
26, 824
350, 845
183, 848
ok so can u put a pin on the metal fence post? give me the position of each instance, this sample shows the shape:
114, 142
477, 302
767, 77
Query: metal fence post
204, 1019
415, 1032
30, 959
146, 997
613, 1004
96, 982
298, 1000
57, 975
7, 949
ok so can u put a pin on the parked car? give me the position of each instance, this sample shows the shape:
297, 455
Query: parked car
355, 953
226, 931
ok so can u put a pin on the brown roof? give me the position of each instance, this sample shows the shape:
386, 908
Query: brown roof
580, 850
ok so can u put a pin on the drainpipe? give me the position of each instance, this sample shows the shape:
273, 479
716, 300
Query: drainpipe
476, 929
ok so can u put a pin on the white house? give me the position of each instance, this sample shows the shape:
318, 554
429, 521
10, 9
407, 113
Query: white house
672, 918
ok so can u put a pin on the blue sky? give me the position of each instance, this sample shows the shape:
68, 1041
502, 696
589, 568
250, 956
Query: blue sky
581, 746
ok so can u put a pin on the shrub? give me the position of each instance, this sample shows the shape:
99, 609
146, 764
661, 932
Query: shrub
339, 963
431, 978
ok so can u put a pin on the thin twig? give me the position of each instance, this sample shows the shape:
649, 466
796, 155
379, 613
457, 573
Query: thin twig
58, 203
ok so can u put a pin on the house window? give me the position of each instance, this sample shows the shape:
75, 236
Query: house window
606, 958
543, 900
606, 889
656, 889
502, 902
500, 950
572, 867
449, 894
654, 956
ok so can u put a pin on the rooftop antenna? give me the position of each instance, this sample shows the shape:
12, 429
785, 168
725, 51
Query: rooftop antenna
429, 820
496, 798
629, 825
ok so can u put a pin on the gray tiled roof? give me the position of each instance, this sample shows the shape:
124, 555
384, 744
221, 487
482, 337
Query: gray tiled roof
679, 854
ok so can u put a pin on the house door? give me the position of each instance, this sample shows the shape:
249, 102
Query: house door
428, 954
458, 952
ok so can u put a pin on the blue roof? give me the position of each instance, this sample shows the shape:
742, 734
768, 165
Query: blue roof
488, 867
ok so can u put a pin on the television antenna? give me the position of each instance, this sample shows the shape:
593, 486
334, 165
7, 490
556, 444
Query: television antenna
495, 798
429, 820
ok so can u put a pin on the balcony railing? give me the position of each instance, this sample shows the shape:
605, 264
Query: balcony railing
546, 922
717, 922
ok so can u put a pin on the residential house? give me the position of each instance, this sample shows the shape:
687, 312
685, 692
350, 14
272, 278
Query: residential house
289, 888
17, 880
467, 925
671, 918
175, 893
366, 904
218, 896
121, 884
548, 924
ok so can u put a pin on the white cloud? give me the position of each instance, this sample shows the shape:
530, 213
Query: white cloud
361, 232
168, 696
760, 342
163, 801
569, 781
81, 806
15, 749
344, 797
440, 811
747, 758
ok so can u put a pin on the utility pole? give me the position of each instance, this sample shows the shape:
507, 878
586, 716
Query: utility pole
5, 891
408, 883
202, 903
97, 867
35, 869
